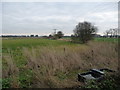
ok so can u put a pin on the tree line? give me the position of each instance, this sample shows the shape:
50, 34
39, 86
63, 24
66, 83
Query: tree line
111, 32
82, 33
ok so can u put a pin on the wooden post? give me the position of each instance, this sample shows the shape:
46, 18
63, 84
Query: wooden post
92, 55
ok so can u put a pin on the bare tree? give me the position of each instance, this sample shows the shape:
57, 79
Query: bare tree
115, 32
107, 32
111, 32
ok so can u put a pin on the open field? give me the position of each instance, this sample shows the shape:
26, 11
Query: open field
28, 42
113, 40
44, 63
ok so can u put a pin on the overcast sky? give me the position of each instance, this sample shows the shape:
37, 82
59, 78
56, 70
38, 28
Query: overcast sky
41, 18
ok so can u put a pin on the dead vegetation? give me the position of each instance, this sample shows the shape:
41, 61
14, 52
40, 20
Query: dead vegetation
58, 66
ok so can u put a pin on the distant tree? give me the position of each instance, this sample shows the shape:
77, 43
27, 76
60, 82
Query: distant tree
84, 32
59, 34
115, 32
31, 35
107, 32
36, 35
44, 36
111, 32
50, 35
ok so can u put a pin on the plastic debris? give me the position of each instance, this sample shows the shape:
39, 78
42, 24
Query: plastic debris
94, 74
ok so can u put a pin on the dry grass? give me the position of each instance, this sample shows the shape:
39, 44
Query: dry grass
10, 70
57, 66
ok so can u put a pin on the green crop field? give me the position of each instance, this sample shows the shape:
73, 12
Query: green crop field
36, 62
13, 43
28, 42
113, 40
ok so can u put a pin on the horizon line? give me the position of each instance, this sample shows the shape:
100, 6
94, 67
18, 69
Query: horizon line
41, 34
